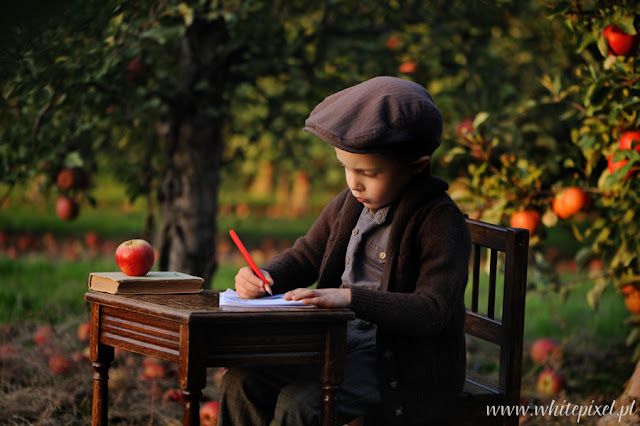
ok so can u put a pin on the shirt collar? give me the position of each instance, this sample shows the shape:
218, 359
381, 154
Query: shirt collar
380, 215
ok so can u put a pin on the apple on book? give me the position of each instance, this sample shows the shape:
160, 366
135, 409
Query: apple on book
135, 257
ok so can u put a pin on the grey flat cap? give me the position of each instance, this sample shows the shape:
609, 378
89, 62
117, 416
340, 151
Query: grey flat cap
383, 115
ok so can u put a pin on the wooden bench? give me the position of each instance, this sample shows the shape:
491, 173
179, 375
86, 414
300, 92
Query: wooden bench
502, 253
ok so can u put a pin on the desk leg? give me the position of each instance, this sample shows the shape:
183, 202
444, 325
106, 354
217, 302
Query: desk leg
333, 371
100, 415
101, 357
191, 407
192, 371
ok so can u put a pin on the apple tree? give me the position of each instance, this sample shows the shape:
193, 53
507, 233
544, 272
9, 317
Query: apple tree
162, 93
571, 154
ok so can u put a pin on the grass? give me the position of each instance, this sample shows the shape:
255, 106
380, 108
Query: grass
38, 289
548, 314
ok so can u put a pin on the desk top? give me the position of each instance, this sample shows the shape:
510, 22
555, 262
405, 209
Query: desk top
203, 307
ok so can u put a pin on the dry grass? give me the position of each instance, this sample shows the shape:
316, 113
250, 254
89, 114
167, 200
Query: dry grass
31, 394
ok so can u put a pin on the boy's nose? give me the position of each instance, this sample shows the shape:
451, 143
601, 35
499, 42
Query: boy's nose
353, 182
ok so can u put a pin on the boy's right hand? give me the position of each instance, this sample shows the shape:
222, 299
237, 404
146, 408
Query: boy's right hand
248, 285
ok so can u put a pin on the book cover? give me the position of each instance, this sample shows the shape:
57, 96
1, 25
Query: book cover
152, 283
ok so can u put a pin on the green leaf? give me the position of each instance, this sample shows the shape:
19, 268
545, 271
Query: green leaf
480, 118
626, 24
584, 40
603, 47
594, 294
633, 336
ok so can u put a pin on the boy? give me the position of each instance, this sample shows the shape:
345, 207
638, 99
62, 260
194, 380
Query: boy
394, 248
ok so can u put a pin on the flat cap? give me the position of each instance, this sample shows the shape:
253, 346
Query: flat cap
383, 115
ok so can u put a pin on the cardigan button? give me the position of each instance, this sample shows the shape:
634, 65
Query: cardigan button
346, 261
393, 383
355, 231
399, 411
383, 256
387, 354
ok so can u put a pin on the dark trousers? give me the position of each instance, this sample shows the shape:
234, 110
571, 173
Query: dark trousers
291, 395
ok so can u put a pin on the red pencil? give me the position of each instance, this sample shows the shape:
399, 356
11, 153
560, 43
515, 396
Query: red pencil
249, 260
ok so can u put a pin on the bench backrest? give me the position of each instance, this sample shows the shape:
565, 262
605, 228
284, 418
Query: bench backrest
495, 248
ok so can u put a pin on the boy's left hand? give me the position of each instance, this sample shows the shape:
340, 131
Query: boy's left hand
323, 298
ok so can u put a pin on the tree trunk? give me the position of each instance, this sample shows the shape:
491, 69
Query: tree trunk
626, 410
189, 192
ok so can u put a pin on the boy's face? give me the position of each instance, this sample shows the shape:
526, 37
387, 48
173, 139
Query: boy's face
374, 180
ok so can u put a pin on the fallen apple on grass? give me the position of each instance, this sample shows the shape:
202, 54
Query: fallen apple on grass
153, 369
42, 334
173, 395
60, 365
209, 413
545, 350
135, 257
84, 331
550, 382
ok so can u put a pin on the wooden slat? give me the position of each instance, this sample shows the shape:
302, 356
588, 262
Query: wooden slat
488, 235
491, 304
485, 328
475, 290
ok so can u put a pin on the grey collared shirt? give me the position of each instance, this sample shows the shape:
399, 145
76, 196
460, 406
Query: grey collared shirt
364, 262
366, 252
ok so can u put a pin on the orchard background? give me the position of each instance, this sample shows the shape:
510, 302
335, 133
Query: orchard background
174, 120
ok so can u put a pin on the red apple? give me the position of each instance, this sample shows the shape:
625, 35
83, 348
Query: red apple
173, 395
137, 70
569, 202
392, 42
65, 179
153, 369
60, 364
544, 350
527, 219
407, 67
135, 257
7, 351
209, 413
627, 139
84, 331
615, 165
72, 178
27, 242
550, 382
620, 42
67, 208
92, 240
43, 334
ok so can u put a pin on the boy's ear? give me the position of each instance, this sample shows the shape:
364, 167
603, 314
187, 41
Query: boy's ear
418, 165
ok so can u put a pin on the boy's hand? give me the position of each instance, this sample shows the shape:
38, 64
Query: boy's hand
324, 298
248, 285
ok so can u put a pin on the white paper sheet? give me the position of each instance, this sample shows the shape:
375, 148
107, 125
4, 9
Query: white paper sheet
231, 298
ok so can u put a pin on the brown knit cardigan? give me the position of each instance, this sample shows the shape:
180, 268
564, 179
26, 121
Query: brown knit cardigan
419, 312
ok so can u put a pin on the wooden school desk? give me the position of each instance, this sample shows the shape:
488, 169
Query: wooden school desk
193, 332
